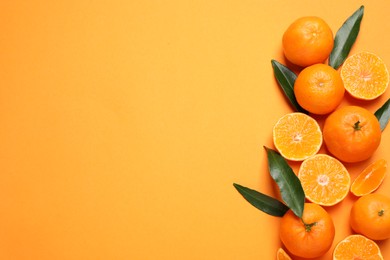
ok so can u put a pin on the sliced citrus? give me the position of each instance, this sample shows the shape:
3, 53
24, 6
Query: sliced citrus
297, 136
365, 76
357, 247
324, 179
282, 255
370, 178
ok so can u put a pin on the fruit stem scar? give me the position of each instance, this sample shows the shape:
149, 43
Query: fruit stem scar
357, 126
381, 212
308, 227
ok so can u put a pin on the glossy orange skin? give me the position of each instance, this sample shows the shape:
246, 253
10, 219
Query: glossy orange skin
303, 243
347, 143
319, 89
307, 41
370, 216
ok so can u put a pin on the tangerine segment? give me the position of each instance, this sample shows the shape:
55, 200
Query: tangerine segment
297, 136
370, 178
282, 255
365, 76
357, 247
324, 179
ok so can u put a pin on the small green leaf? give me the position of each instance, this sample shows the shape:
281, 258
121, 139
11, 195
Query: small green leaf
262, 202
383, 114
345, 38
286, 79
289, 184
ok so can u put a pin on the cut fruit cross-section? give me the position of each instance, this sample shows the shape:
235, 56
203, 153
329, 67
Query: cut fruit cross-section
357, 247
297, 136
365, 76
324, 179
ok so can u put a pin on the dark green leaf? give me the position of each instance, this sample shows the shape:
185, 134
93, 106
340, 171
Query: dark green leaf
345, 38
262, 202
289, 184
286, 79
383, 114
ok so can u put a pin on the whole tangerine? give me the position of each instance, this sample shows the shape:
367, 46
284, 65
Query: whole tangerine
319, 89
352, 133
309, 237
307, 41
370, 216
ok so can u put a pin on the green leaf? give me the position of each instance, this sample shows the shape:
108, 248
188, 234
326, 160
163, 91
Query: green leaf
345, 38
289, 184
383, 114
262, 202
286, 79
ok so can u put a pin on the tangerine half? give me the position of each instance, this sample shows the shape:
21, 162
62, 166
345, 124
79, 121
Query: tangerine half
297, 136
365, 75
324, 179
357, 247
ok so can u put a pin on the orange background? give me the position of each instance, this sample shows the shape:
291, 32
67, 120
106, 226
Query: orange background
123, 125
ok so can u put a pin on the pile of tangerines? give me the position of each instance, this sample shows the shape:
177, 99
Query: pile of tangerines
350, 134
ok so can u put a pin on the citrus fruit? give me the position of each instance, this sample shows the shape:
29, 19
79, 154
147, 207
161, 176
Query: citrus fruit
307, 41
309, 237
297, 136
324, 179
365, 76
352, 133
370, 178
357, 247
370, 216
319, 89
282, 255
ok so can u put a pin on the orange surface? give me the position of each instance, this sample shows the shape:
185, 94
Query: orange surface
123, 125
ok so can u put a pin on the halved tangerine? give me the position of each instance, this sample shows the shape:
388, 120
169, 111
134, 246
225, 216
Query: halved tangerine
370, 178
324, 179
297, 136
365, 75
357, 247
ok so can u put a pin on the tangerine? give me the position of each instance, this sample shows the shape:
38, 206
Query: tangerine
297, 136
357, 247
365, 76
319, 89
310, 236
352, 133
324, 179
370, 216
307, 41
